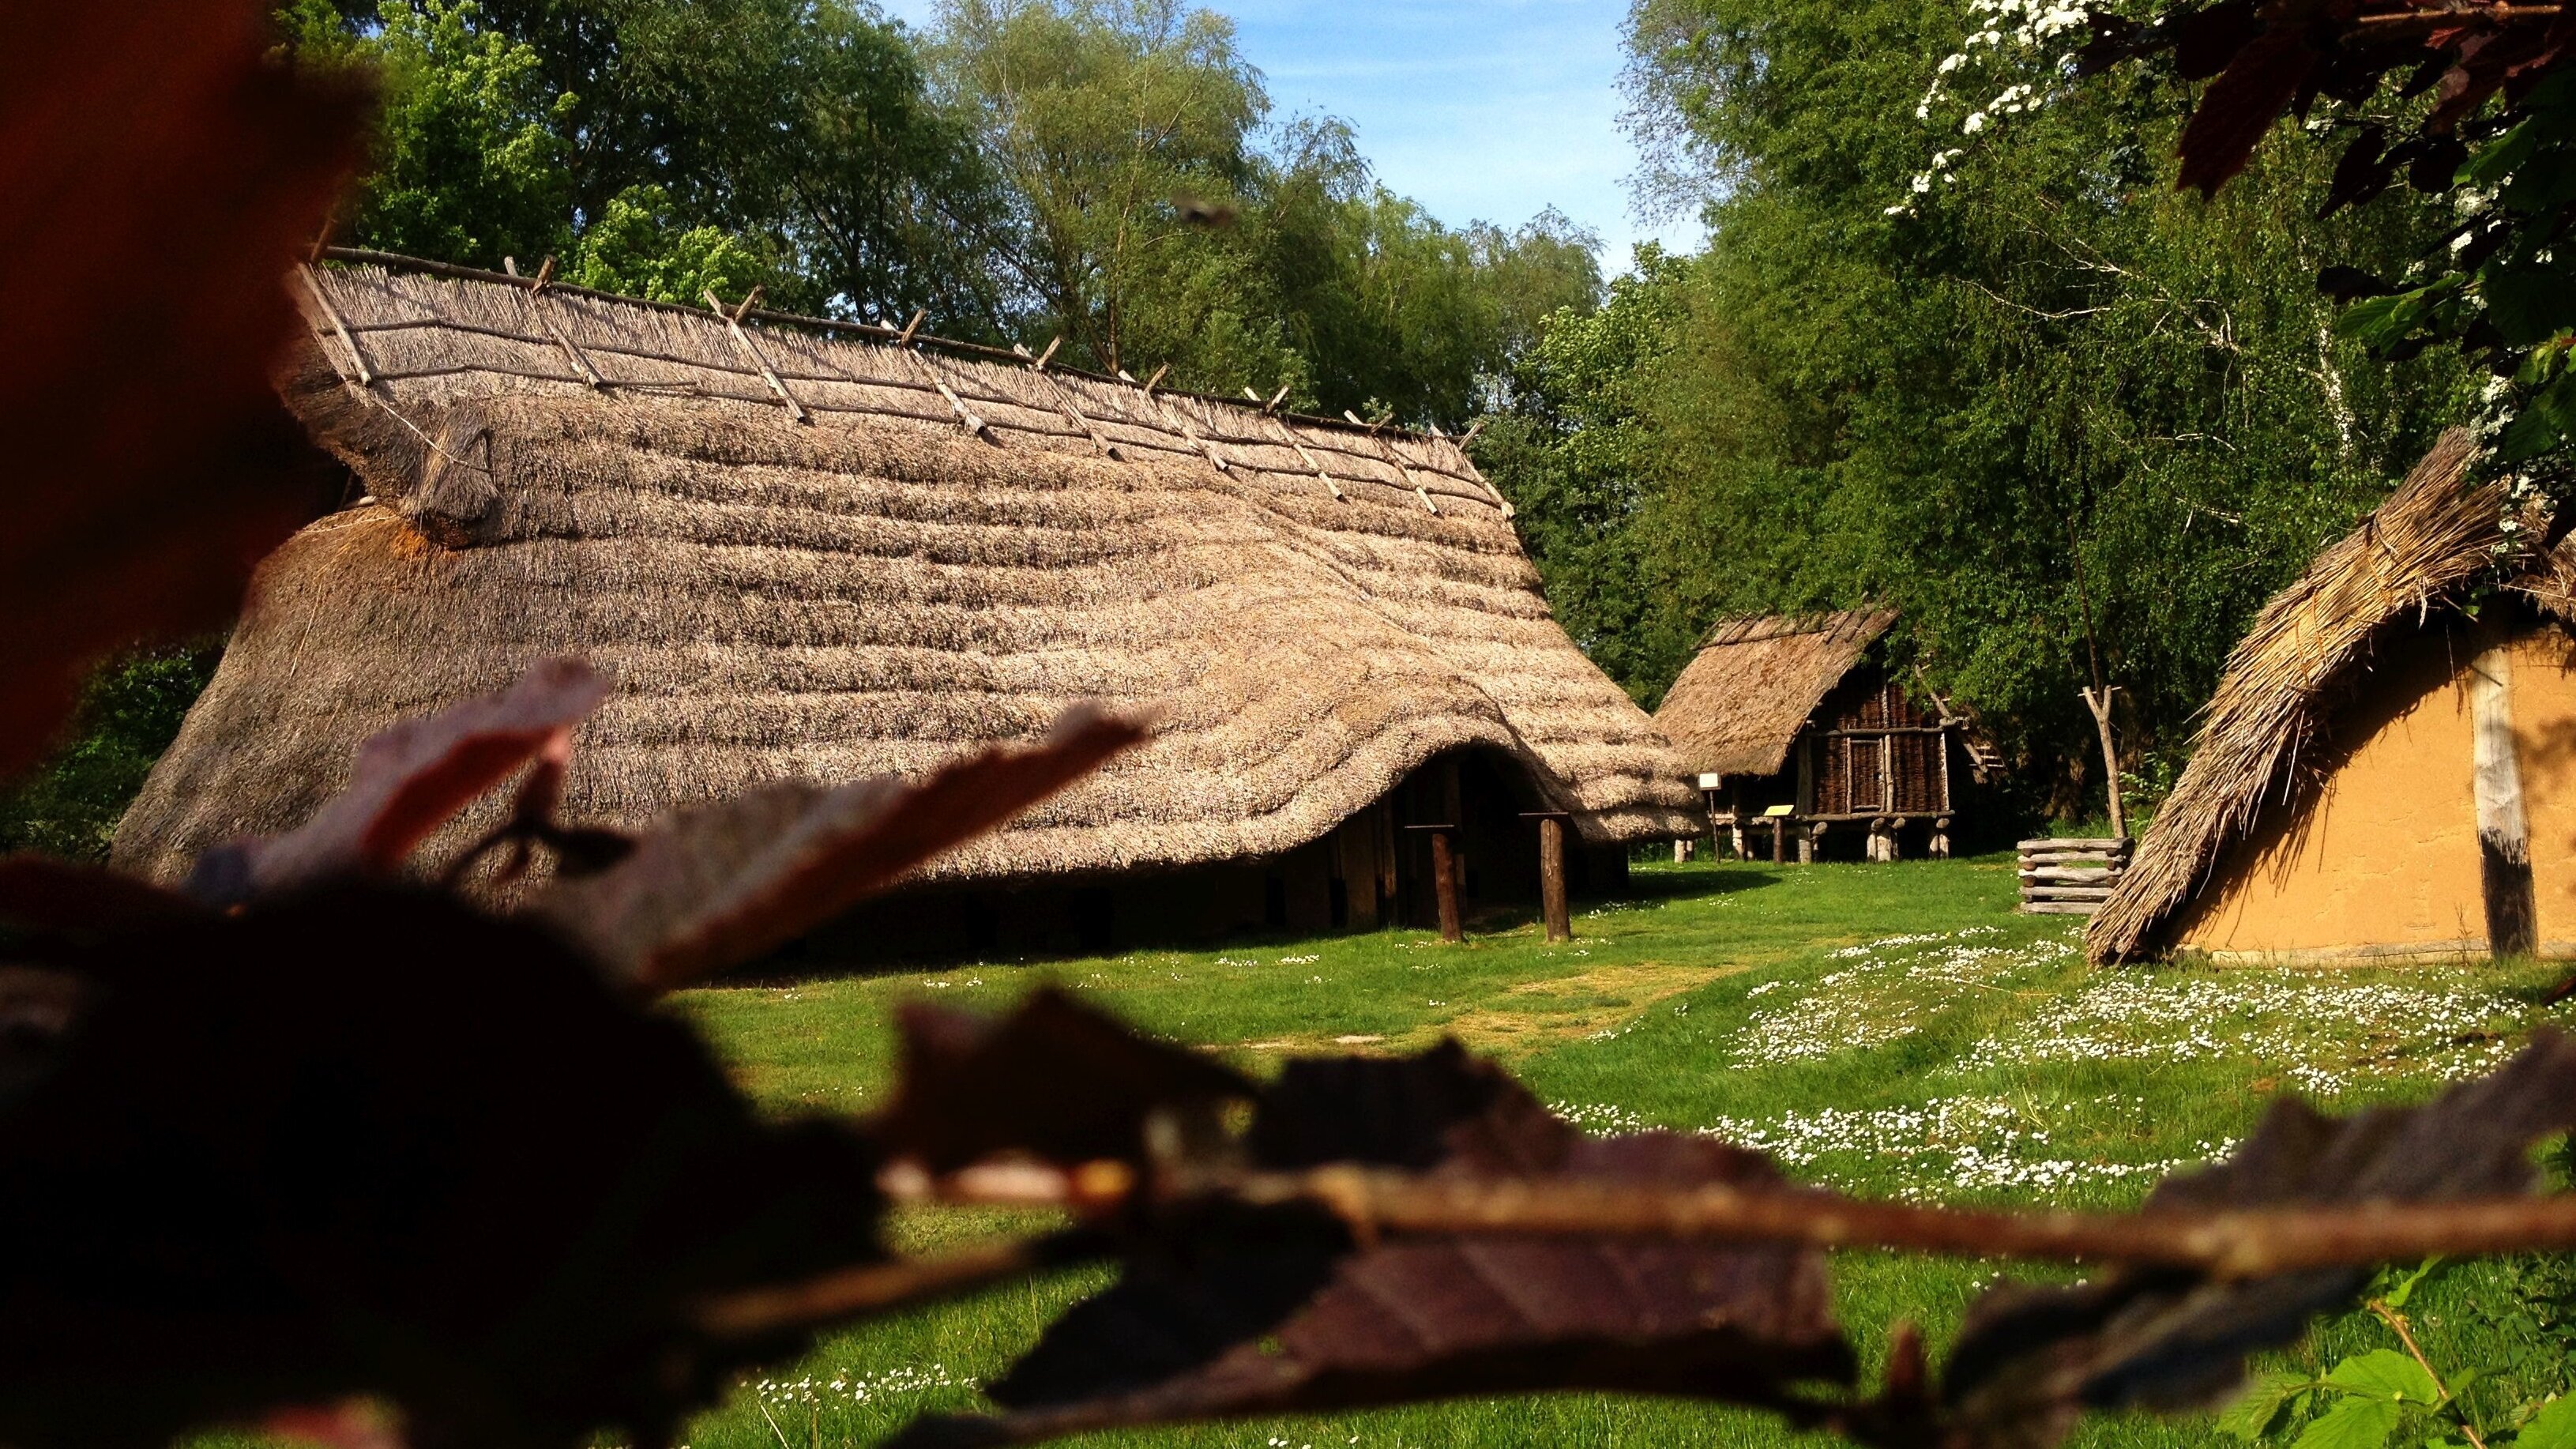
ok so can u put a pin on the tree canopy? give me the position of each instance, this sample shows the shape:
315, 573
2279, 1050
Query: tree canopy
1105, 171
1957, 345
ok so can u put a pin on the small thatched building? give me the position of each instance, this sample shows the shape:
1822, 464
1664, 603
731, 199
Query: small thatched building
2388, 769
823, 551
1792, 726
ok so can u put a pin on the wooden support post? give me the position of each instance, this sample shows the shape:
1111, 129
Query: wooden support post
1444, 878
2100, 704
1780, 840
1552, 906
1444, 886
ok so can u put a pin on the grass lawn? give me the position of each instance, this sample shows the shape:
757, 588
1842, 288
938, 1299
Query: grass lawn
1891, 1030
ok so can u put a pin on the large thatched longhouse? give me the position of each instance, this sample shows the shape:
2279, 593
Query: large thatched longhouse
815, 551
2388, 770
1795, 730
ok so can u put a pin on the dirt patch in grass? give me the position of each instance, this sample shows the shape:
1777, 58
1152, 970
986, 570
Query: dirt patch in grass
1526, 1016
1545, 1013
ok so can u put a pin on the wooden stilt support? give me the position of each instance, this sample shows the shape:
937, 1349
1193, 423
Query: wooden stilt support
1780, 840
1552, 905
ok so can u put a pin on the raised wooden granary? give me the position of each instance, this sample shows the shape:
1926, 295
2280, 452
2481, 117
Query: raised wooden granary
1800, 738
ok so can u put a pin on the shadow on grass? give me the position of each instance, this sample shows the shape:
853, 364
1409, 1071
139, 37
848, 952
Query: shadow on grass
1685, 885
827, 959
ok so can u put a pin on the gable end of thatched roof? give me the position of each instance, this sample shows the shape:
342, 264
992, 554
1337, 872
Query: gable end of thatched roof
1740, 703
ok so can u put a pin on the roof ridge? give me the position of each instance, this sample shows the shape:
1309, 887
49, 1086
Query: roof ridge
876, 332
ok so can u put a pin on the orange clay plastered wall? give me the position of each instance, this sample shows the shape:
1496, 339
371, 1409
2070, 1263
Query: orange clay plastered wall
2544, 741
2384, 861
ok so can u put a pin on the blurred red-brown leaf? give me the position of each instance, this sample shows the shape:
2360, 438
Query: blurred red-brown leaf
715, 886
367, 1142
2206, 40
408, 781
161, 175
57, 896
1053, 1080
1241, 1313
2261, 79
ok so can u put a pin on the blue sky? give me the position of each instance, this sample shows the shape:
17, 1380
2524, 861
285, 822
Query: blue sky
1482, 110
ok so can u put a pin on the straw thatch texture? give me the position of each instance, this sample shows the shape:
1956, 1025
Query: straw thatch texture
2266, 729
883, 588
1740, 704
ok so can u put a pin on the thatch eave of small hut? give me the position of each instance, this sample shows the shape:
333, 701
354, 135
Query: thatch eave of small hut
2266, 736
1740, 703
816, 556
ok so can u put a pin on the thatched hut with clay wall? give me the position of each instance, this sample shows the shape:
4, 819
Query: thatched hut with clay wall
2388, 769
1799, 737
823, 551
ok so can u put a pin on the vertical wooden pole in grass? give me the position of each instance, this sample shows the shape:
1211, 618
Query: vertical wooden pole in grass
1551, 874
1444, 879
1444, 886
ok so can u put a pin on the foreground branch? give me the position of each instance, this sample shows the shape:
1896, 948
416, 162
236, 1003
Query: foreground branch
2231, 1244
884, 1287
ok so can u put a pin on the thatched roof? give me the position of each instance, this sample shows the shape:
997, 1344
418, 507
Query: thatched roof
948, 551
1740, 703
2266, 732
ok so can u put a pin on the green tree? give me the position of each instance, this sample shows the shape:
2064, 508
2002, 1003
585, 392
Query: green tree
704, 135
1955, 345
1126, 130
471, 148
129, 713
